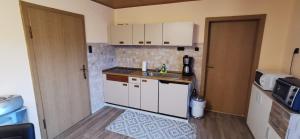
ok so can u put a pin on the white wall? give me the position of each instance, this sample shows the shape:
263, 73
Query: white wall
276, 29
15, 76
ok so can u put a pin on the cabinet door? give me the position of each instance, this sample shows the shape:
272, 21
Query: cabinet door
178, 34
173, 99
116, 92
121, 34
259, 112
149, 95
153, 34
138, 34
134, 95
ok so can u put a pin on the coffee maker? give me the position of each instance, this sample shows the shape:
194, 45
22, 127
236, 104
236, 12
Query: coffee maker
187, 66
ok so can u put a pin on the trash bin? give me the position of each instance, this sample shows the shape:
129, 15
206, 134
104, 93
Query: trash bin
197, 106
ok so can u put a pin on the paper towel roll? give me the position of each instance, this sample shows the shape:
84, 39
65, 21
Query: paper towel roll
144, 66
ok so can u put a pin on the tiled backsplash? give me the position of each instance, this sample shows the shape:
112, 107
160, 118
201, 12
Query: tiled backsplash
133, 56
105, 56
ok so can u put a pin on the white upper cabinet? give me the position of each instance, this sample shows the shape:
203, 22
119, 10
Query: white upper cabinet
168, 34
153, 34
121, 34
138, 34
178, 34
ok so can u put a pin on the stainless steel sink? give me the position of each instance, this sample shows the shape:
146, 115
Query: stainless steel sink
157, 74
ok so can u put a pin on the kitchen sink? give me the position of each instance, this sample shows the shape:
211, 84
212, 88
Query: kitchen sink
158, 74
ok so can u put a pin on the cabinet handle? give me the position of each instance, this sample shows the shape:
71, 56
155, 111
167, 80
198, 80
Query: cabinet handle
133, 79
141, 42
148, 42
121, 42
124, 84
144, 81
137, 86
267, 133
166, 42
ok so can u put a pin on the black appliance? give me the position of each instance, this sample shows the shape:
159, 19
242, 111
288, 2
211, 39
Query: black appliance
287, 92
187, 65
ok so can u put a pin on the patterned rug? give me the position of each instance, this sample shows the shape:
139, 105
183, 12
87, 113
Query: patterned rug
142, 126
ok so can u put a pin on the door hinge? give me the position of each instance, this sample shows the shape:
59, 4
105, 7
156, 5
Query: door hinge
30, 32
44, 122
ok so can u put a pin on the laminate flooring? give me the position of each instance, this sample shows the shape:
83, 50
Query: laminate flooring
212, 126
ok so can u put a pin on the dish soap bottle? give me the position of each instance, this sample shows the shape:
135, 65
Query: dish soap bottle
163, 69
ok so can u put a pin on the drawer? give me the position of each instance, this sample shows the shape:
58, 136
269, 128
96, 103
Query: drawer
134, 80
279, 119
118, 78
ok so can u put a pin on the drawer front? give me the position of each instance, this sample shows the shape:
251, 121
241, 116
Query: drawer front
134, 80
118, 78
279, 119
173, 99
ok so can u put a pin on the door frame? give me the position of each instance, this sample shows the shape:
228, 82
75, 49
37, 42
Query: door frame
32, 60
261, 18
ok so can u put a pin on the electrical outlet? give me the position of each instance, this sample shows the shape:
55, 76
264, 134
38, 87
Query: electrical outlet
296, 51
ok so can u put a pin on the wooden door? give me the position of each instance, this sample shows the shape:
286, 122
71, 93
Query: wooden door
232, 48
153, 34
58, 53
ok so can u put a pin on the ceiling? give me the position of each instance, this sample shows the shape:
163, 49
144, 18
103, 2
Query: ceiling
116, 4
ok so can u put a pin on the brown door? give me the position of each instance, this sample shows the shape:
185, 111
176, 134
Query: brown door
58, 54
231, 60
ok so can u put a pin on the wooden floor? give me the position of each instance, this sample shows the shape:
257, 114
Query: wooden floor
212, 126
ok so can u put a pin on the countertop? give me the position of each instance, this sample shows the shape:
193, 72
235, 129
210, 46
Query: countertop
173, 76
269, 94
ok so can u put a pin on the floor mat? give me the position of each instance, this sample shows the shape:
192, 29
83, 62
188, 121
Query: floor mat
143, 126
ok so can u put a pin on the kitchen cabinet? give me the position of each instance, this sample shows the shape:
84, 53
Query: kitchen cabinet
116, 92
153, 34
138, 34
149, 95
134, 95
271, 133
174, 98
121, 34
259, 111
178, 34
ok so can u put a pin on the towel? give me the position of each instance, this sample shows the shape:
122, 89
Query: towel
293, 131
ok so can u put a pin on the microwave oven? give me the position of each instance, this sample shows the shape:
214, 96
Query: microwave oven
287, 92
266, 80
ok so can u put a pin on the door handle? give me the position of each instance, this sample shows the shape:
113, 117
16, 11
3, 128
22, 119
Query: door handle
84, 71
210, 67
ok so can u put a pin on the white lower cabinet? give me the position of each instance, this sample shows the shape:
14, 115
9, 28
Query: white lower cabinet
259, 112
116, 92
271, 133
135, 95
149, 95
174, 99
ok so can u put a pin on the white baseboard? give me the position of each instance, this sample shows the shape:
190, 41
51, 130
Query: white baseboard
149, 113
